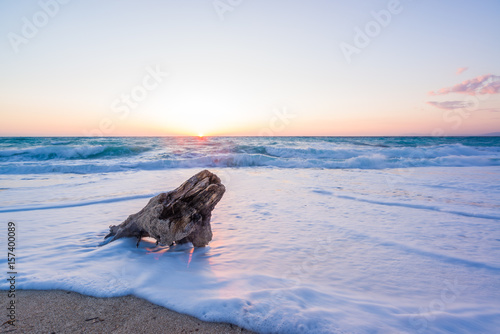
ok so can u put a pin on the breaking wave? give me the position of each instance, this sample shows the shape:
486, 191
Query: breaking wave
83, 155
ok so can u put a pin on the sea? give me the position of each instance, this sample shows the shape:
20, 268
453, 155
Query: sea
313, 234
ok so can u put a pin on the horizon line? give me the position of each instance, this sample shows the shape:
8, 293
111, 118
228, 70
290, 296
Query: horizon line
494, 134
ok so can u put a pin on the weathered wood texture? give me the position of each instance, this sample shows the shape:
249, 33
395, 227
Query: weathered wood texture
181, 215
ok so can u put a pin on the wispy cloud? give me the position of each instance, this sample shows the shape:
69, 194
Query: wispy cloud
484, 84
448, 105
462, 70
453, 105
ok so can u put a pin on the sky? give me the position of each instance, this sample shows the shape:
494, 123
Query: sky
249, 67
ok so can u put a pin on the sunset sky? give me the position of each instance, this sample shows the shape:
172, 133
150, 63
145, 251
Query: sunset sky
249, 67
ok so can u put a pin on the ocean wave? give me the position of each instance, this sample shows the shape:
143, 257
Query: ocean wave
373, 161
61, 151
388, 152
103, 155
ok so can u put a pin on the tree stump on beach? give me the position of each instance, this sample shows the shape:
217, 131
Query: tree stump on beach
178, 216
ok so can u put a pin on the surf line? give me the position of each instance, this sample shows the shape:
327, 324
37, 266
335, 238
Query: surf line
72, 205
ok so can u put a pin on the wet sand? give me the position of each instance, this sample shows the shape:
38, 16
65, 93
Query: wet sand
57, 311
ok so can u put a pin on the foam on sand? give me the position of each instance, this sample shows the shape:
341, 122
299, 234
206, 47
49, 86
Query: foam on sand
294, 250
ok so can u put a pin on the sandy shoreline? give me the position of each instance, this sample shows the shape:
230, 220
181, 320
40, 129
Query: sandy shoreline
57, 311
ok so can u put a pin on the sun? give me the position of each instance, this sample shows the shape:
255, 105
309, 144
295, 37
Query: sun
200, 135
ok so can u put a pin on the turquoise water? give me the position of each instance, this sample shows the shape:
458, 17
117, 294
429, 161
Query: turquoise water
97, 155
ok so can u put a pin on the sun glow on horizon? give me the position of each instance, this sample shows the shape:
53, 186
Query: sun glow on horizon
209, 79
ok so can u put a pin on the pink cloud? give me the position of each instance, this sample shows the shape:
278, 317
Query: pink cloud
462, 69
448, 105
484, 84
491, 88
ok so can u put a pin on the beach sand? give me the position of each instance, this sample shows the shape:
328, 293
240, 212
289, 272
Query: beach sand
59, 311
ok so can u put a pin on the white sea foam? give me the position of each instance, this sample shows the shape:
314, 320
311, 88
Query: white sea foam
407, 250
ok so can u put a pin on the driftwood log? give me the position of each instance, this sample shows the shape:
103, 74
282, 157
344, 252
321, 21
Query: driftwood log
179, 216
